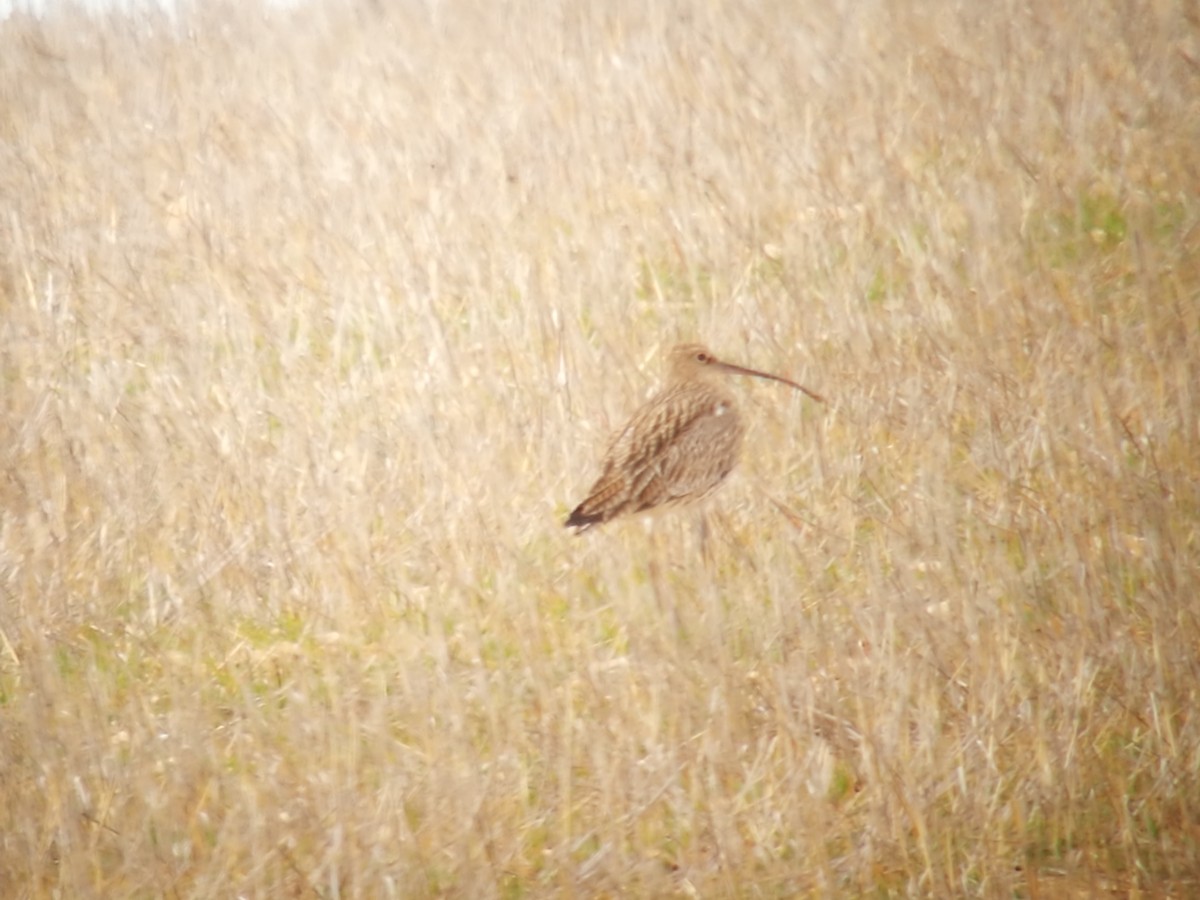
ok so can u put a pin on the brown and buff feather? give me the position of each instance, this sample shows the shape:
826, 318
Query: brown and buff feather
678, 447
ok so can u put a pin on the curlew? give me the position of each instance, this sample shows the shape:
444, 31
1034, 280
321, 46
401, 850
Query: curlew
678, 447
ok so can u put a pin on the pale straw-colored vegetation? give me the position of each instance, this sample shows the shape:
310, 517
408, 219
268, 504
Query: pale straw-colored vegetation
313, 325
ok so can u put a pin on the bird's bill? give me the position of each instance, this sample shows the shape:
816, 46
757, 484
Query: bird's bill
742, 370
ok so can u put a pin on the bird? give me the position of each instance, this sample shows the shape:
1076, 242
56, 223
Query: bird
678, 447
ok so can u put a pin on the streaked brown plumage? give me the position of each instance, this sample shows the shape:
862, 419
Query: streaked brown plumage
678, 447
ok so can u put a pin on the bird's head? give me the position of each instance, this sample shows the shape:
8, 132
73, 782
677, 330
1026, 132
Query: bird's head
686, 361
689, 361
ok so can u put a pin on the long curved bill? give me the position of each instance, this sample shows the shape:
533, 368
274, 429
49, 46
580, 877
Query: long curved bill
742, 370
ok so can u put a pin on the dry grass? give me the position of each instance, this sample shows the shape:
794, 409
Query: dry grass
313, 326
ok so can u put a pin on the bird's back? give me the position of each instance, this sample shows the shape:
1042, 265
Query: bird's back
678, 447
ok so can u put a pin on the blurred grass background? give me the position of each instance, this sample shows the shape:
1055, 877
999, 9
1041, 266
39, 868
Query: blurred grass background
313, 325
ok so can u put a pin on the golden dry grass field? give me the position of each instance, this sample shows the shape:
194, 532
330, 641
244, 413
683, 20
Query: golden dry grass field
315, 323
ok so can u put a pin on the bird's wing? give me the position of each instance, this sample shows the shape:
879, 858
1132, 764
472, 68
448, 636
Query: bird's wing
701, 452
681, 446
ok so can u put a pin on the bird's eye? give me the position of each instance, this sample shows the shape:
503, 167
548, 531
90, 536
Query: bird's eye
702, 357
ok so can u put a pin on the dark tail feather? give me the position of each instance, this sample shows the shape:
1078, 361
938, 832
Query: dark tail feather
582, 520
